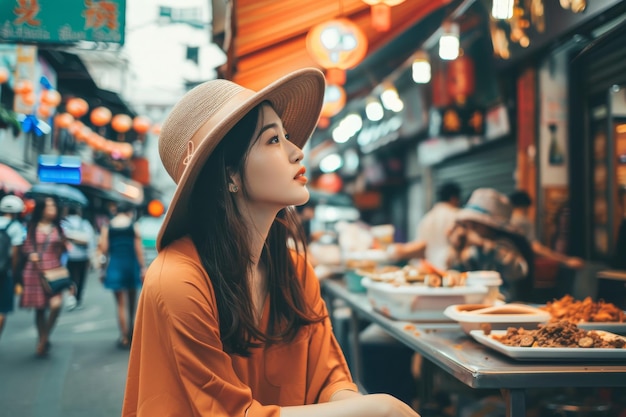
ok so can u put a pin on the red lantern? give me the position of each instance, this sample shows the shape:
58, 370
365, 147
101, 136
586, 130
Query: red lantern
23, 87
28, 98
100, 116
44, 111
323, 122
330, 182
51, 97
77, 107
75, 127
337, 43
155, 208
440, 96
4, 75
121, 123
64, 120
461, 78
126, 150
141, 124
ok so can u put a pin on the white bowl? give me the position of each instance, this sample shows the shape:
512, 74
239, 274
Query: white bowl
500, 317
417, 302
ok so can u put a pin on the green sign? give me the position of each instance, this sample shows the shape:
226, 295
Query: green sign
67, 21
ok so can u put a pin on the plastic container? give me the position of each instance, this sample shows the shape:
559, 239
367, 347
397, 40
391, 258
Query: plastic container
419, 302
353, 281
490, 279
473, 316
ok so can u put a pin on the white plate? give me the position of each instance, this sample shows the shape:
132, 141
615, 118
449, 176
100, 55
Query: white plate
499, 317
619, 328
548, 354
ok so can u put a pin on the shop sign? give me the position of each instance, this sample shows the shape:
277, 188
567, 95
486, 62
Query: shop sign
376, 135
25, 69
129, 189
46, 21
457, 121
96, 176
60, 169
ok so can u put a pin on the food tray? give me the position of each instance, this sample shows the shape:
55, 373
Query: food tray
546, 353
418, 302
613, 327
499, 317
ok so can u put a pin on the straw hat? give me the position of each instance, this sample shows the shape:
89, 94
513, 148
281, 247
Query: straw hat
489, 207
204, 115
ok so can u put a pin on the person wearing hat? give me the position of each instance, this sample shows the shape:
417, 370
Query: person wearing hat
12, 238
230, 321
484, 239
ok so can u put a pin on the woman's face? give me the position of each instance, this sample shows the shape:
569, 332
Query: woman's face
273, 169
50, 210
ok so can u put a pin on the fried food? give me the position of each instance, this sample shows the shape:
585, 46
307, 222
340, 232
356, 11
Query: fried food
587, 310
562, 334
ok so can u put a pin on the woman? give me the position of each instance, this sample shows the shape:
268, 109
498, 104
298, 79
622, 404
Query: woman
484, 239
230, 321
120, 242
43, 248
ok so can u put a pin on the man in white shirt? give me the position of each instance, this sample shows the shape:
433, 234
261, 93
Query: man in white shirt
432, 234
13, 231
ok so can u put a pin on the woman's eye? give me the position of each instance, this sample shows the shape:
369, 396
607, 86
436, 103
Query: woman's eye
274, 139
287, 136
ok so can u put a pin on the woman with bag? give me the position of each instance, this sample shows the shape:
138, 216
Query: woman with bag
43, 248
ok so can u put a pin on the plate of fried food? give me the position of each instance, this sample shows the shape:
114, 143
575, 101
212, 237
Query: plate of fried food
588, 314
557, 341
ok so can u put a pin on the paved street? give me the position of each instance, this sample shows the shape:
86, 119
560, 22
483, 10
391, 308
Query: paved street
85, 372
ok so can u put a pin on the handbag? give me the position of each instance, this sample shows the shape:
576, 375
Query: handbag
53, 280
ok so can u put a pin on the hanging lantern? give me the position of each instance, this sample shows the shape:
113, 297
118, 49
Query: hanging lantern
440, 96
334, 100
44, 111
75, 127
100, 116
155, 208
323, 122
64, 120
77, 107
126, 150
23, 87
330, 182
461, 79
381, 13
421, 71
449, 41
502, 9
141, 124
51, 97
4, 75
339, 44
121, 123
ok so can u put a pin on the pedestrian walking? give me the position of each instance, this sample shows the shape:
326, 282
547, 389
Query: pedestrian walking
11, 239
120, 243
43, 248
81, 242
230, 321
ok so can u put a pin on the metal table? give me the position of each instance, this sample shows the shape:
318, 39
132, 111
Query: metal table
449, 348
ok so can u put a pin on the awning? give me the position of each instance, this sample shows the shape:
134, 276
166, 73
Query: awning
12, 181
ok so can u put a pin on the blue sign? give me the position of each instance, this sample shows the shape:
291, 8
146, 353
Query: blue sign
61, 169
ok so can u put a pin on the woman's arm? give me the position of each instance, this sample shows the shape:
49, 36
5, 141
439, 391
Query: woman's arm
103, 243
351, 404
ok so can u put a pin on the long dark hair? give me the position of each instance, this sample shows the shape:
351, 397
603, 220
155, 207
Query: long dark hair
221, 238
40, 205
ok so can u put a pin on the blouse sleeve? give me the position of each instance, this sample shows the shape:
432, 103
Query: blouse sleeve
182, 368
327, 367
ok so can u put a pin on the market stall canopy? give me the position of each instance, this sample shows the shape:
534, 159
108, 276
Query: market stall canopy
12, 181
266, 39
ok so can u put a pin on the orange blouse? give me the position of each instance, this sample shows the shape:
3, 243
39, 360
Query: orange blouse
178, 366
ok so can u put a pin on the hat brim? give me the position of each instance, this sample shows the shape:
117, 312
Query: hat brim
467, 214
297, 98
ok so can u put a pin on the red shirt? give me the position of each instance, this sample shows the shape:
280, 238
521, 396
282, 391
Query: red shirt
178, 366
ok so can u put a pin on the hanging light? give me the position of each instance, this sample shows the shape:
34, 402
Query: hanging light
502, 9
390, 98
381, 13
449, 41
374, 110
421, 68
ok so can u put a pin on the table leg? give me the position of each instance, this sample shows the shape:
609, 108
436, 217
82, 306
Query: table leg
355, 347
515, 400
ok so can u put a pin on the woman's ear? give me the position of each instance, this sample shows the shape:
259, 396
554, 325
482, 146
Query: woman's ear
234, 179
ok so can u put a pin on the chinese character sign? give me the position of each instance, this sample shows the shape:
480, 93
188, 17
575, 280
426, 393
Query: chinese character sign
46, 21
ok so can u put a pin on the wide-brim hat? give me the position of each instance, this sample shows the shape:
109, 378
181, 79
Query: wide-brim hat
205, 114
489, 207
